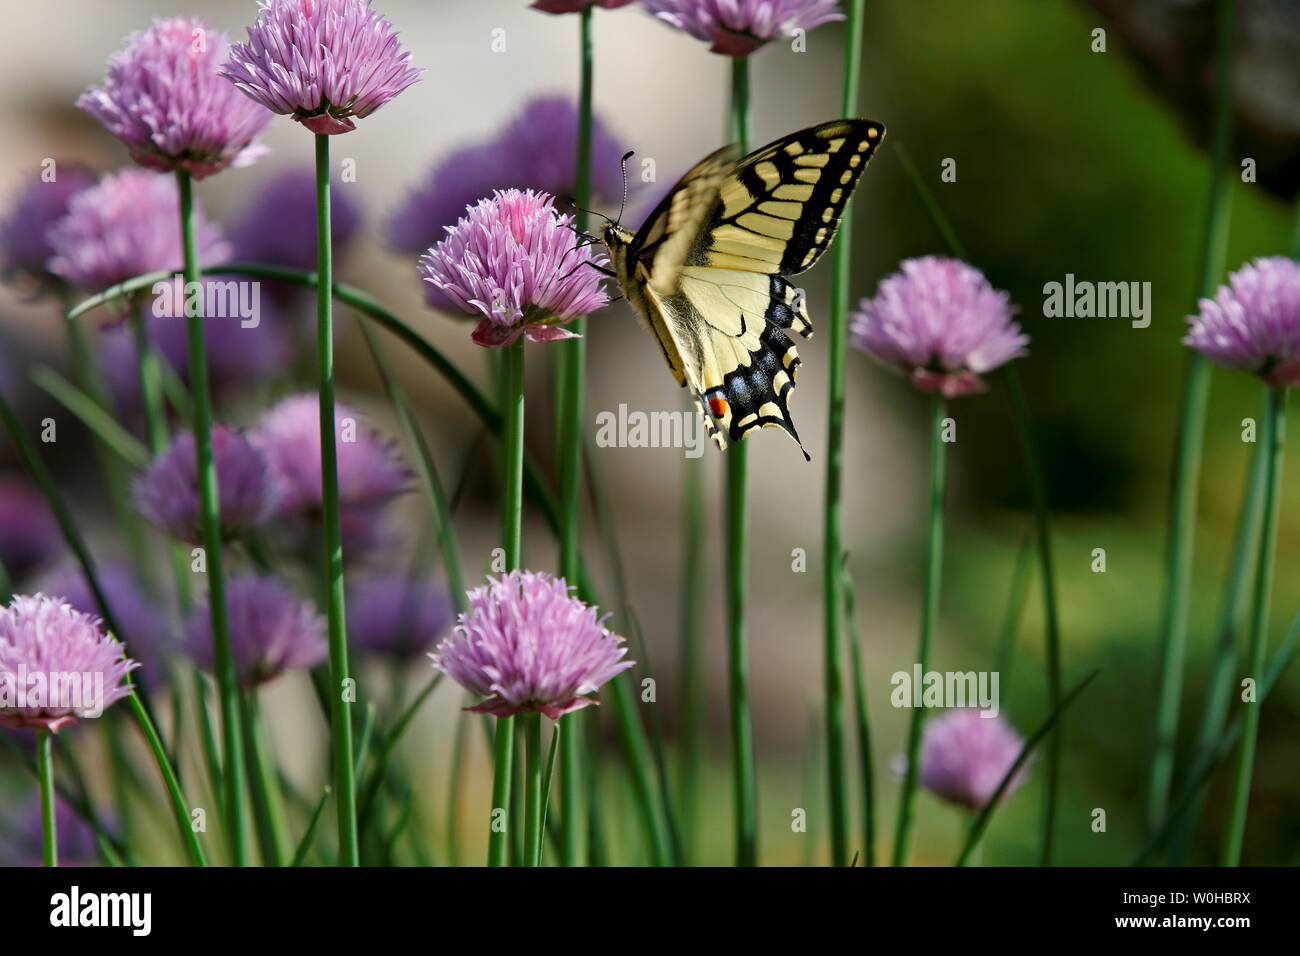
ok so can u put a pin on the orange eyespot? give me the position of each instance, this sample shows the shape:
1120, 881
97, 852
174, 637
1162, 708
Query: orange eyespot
718, 405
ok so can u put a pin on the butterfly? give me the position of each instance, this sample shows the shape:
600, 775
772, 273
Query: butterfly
709, 271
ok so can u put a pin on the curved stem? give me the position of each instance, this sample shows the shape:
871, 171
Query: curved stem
1240, 797
345, 793
929, 614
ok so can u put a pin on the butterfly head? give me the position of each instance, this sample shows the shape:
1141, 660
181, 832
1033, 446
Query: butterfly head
618, 241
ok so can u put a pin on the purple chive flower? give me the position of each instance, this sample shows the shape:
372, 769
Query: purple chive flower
321, 62
1253, 323
77, 843
125, 225
271, 630
512, 260
576, 6
24, 244
279, 222
965, 756
29, 535
527, 645
144, 626
396, 617
56, 664
164, 99
739, 27
167, 494
939, 321
371, 473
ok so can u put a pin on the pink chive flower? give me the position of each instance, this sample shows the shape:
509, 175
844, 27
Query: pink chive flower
271, 630
965, 756
167, 494
1253, 323
939, 321
164, 99
57, 664
739, 27
576, 6
125, 225
321, 62
371, 472
24, 244
527, 645
514, 261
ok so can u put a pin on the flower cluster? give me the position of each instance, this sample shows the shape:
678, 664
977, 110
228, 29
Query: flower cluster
163, 98
322, 62
964, 757
528, 645
939, 321
24, 241
515, 262
739, 27
1253, 323
396, 617
57, 664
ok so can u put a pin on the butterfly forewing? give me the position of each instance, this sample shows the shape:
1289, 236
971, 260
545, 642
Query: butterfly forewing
711, 260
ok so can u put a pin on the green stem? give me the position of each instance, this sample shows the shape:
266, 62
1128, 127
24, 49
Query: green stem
45, 770
210, 515
512, 532
691, 647
569, 418
832, 582
742, 730
1218, 693
1275, 429
1188, 454
1042, 529
861, 716
929, 615
533, 790
274, 826
345, 794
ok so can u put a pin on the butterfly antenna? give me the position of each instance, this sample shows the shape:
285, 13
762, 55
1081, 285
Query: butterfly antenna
623, 204
590, 212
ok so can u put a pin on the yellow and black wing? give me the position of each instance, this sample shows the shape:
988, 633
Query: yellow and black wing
716, 255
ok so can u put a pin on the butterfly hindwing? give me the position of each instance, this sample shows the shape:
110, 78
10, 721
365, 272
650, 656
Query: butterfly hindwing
708, 269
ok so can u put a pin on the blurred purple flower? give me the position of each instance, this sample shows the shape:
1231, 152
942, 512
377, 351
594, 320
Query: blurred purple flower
527, 645
371, 473
279, 222
77, 843
739, 27
321, 62
29, 535
167, 494
165, 100
125, 225
939, 321
1253, 323
576, 6
512, 260
271, 630
24, 244
396, 617
143, 624
49, 653
536, 150
965, 756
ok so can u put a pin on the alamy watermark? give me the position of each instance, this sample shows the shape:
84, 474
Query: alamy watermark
78, 692
1081, 299
946, 689
213, 298
638, 429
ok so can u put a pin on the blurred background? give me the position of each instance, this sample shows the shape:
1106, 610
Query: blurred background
1067, 161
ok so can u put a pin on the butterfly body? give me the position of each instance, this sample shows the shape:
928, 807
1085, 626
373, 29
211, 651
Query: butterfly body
708, 272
